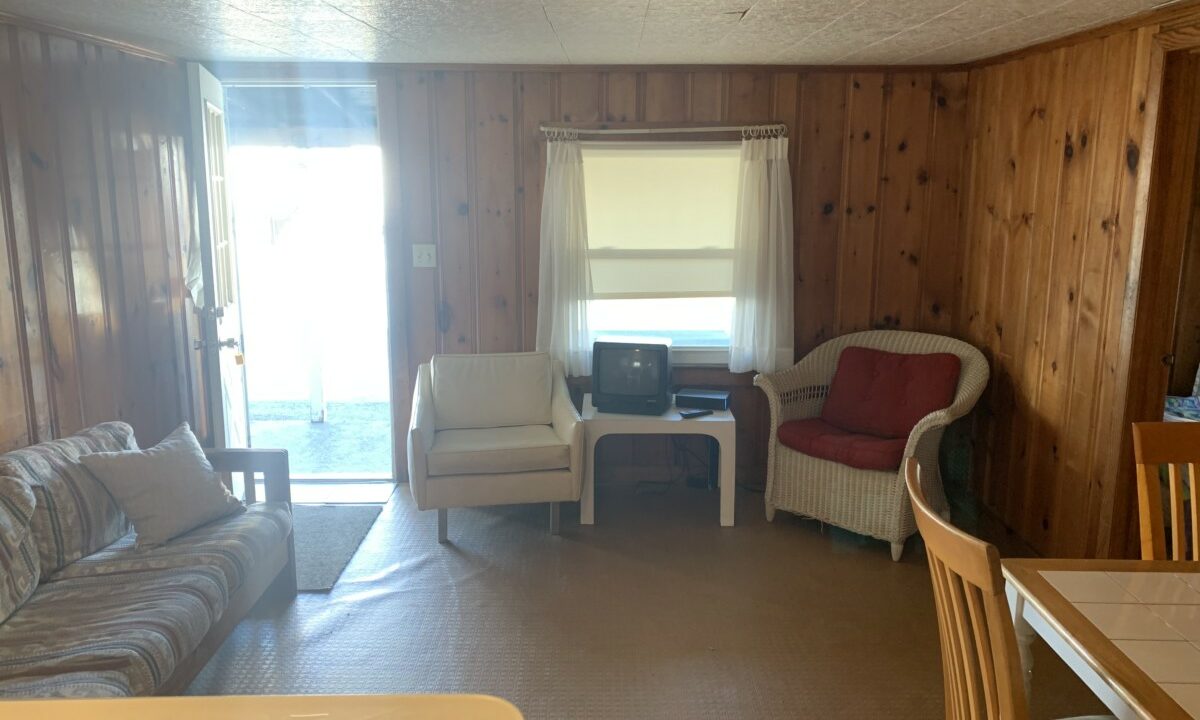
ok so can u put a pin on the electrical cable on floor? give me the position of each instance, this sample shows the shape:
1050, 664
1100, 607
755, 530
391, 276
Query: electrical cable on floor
657, 487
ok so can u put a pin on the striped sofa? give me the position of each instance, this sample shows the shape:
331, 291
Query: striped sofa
92, 615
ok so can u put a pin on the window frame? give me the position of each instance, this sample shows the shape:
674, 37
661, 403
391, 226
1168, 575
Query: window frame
681, 355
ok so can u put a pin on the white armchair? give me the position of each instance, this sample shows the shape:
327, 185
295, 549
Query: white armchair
493, 430
868, 502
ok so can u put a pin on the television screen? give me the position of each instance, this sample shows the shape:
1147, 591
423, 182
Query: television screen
628, 371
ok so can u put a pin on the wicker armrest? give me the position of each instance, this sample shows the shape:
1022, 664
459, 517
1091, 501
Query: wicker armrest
793, 394
273, 464
970, 388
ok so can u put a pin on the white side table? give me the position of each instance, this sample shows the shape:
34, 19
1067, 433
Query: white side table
720, 425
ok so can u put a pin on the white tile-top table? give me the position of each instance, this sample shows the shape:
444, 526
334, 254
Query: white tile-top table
720, 425
269, 707
1130, 629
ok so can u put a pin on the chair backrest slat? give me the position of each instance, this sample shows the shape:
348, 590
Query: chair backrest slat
1195, 513
1175, 484
979, 647
1175, 445
983, 648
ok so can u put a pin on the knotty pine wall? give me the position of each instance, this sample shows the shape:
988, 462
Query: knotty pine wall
876, 164
1058, 160
93, 205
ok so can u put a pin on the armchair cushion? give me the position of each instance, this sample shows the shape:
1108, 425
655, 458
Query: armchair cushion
817, 438
489, 391
886, 394
488, 451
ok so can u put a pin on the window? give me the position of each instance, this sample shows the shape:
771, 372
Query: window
660, 220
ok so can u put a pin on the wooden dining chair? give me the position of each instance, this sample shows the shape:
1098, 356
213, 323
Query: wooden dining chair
1175, 445
980, 661
981, 664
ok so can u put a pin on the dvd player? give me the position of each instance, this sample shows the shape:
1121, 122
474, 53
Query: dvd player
702, 399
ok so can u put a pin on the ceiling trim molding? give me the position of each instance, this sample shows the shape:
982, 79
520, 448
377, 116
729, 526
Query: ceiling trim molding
251, 71
7, 18
1178, 19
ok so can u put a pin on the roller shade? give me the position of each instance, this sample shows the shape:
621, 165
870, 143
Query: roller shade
661, 218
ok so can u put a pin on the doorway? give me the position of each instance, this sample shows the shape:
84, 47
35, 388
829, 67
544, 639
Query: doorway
1163, 358
305, 184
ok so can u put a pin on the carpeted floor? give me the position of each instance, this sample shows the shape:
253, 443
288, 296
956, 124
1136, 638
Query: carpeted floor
326, 537
654, 613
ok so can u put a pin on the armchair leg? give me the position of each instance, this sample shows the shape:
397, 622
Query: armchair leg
554, 514
897, 551
443, 522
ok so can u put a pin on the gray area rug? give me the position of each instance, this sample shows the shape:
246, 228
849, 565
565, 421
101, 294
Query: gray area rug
326, 538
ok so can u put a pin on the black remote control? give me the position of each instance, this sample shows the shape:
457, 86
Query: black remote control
689, 414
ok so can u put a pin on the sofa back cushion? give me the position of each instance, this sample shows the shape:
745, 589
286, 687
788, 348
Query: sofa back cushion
75, 516
483, 391
885, 394
19, 566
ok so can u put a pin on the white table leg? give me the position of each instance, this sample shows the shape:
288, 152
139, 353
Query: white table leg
727, 447
587, 499
1025, 634
1027, 622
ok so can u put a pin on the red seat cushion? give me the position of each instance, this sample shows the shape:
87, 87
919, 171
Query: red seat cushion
817, 438
886, 394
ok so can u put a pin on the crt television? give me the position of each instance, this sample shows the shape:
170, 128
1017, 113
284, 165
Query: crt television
631, 376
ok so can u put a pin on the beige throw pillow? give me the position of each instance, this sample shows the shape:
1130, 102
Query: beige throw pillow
166, 490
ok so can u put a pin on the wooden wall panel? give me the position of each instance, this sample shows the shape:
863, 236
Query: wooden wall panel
821, 136
1047, 267
860, 193
940, 244
904, 201
498, 275
472, 160
93, 208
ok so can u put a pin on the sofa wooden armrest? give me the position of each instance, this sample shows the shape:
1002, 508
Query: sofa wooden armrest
273, 464
278, 580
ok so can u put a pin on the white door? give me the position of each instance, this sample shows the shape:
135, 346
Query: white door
222, 347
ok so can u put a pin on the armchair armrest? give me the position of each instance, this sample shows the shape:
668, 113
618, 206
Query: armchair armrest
421, 429
795, 393
973, 381
567, 423
273, 464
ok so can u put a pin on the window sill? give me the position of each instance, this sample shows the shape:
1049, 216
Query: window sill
700, 357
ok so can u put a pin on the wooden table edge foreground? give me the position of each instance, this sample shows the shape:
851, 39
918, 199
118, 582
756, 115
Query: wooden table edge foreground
1131, 683
268, 707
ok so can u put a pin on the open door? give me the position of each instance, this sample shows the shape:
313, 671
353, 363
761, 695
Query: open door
217, 295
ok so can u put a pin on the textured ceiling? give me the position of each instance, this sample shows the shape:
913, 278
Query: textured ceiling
816, 32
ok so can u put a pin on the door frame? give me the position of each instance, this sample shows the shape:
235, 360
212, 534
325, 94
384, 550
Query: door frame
1152, 290
383, 79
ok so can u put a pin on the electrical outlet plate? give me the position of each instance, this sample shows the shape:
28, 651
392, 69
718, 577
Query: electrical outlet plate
424, 255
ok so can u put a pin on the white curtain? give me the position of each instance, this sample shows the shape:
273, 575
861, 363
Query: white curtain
565, 283
762, 335
193, 274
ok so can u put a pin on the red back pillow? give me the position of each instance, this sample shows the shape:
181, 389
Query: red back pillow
885, 394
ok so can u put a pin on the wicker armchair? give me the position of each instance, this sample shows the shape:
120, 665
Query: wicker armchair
868, 502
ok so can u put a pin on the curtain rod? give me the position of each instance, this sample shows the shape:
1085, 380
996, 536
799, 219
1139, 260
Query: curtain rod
746, 130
